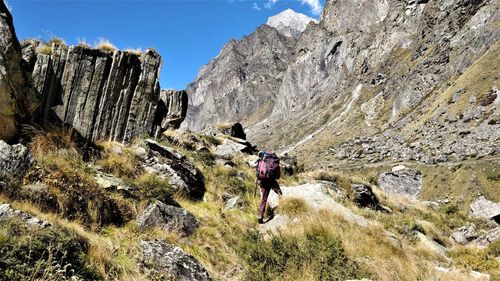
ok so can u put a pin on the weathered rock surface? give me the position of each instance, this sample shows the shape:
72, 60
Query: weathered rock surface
166, 163
108, 181
166, 262
403, 181
318, 196
16, 98
232, 129
168, 217
232, 146
365, 198
241, 82
464, 234
14, 159
102, 94
6, 212
377, 87
484, 208
488, 238
170, 111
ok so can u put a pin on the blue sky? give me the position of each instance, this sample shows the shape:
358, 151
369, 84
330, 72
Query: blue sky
186, 33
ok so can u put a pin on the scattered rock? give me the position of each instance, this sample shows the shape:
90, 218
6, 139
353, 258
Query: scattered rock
166, 262
232, 146
166, 163
483, 208
6, 212
431, 244
403, 181
488, 238
232, 201
234, 130
108, 181
168, 217
364, 197
464, 234
14, 159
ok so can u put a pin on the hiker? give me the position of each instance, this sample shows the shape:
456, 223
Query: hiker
268, 171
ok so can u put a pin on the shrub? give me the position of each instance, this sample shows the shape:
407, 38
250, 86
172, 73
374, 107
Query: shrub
45, 49
155, 188
282, 256
33, 253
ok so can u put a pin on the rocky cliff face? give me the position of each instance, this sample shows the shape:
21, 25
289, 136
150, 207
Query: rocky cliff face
290, 23
102, 94
405, 75
171, 110
16, 98
241, 82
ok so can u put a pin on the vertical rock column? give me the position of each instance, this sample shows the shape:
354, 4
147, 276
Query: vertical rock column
170, 111
16, 101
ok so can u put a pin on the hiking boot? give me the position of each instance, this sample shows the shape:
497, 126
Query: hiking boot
261, 221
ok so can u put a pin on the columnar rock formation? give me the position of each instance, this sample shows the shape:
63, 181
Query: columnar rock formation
102, 94
171, 110
16, 99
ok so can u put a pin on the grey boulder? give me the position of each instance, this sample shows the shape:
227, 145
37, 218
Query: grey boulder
168, 217
464, 234
365, 198
488, 238
176, 168
166, 262
14, 159
484, 208
402, 181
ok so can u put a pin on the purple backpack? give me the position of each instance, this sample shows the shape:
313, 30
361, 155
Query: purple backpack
268, 166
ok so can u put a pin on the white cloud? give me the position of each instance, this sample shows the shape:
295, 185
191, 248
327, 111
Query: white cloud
270, 4
256, 7
315, 5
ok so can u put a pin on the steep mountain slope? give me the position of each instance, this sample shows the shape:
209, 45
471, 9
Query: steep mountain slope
378, 67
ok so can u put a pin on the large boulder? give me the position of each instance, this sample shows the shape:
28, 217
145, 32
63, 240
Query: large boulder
176, 168
14, 159
162, 261
232, 129
488, 238
232, 146
16, 98
168, 217
484, 208
402, 181
464, 234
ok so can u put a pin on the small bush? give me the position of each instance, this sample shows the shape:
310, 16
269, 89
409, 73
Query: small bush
155, 188
32, 253
105, 45
282, 256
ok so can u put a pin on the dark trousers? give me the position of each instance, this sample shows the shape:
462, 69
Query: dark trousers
265, 188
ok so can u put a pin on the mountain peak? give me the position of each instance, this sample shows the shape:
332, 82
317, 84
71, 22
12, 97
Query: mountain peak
290, 23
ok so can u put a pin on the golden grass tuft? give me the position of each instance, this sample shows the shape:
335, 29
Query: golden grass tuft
136, 51
293, 206
45, 49
105, 45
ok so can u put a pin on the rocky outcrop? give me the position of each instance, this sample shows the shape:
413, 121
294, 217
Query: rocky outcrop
16, 97
162, 261
464, 234
15, 160
488, 238
101, 94
170, 111
232, 146
402, 181
241, 82
290, 23
234, 130
166, 163
6, 212
484, 208
167, 217
365, 198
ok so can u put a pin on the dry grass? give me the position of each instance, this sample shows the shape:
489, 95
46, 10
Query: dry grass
119, 160
136, 51
83, 43
105, 45
293, 206
45, 49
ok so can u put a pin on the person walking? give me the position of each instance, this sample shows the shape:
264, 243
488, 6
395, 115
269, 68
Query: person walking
267, 173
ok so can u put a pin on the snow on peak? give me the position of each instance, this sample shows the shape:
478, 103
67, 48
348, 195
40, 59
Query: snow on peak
290, 23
